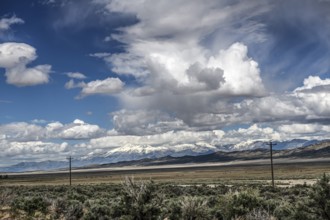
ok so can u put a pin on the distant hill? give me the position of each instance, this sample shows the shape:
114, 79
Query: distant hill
318, 150
201, 153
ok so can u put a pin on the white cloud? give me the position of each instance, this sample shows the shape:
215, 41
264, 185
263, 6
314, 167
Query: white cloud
54, 127
21, 76
167, 139
76, 75
78, 122
80, 131
195, 74
14, 57
241, 73
188, 88
76, 130
107, 86
145, 122
71, 84
312, 82
100, 55
166, 66
308, 105
5, 23
254, 132
25, 139
300, 128
175, 53
22, 131
13, 54
198, 67
37, 150
315, 96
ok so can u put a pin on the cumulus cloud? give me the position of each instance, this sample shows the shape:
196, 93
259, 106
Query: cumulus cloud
14, 152
205, 70
176, 69
34, 148
313, 82
167, 139
39, 141
107, 86
213, 139
201, 71
25, 139
302, 128
6, 23
80, 130
140, 122
306, 104
22, 131
187, 89
14, 57
252, 133
314, 94
195, 67
77, 130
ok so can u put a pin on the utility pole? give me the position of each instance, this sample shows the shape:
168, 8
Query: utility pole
70, 159
271, 144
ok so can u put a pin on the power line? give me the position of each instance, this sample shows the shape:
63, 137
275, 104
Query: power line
271, 144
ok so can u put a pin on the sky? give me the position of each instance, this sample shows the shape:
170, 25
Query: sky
85, 77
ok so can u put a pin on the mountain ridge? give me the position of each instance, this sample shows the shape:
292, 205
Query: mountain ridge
149, 155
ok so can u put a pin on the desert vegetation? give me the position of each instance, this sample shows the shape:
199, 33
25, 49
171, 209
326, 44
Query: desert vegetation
137, 200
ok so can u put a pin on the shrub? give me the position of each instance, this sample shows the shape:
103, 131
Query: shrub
30, 205
258, 214
74, 210
171, 209
140, 199
98, 212
194, 208
239, 203
284, 211
321, 197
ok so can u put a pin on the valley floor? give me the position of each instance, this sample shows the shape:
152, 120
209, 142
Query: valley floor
287, 172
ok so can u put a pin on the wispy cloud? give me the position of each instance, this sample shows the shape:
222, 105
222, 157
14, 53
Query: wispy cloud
76, 75
7, 22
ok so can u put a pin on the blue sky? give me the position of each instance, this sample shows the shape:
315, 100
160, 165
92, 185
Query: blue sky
85, 77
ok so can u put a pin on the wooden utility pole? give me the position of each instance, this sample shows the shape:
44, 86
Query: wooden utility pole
271, 144
70, 158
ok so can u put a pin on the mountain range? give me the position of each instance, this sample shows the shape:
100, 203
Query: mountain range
198, 153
